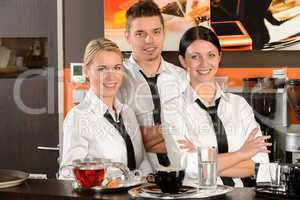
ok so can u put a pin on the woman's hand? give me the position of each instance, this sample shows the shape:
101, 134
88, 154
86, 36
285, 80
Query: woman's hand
254, 145
187, 145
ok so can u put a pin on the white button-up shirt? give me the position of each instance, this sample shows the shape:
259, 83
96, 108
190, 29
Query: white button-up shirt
183, 117
87, 133
136, 93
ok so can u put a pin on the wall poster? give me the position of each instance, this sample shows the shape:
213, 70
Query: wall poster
179, 15
241, 25
257, 24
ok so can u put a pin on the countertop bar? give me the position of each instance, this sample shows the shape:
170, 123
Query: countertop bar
52, 189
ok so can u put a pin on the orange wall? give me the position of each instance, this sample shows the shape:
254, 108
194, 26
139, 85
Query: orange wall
235, 80
68, 88
237, 74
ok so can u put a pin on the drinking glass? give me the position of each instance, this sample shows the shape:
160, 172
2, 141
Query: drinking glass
207, 163
274, 170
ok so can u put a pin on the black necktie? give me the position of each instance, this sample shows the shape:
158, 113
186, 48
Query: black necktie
152, 83
122, 130
219, 131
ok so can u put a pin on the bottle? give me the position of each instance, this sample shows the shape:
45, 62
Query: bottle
34, 58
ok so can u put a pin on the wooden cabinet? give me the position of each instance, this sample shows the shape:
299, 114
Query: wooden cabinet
21, 132
27, 121
24, 18
83, 21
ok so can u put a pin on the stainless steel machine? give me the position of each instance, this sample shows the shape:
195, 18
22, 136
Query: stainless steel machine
292, 140
269, 102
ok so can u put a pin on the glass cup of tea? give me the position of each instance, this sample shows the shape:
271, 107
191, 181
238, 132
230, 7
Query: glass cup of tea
207, 165
90, 172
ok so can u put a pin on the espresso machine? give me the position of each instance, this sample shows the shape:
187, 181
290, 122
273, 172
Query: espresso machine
292, 140
268, 98
272, 101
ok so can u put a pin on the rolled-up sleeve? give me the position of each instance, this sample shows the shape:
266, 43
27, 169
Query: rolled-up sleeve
75, 142
249, 124
175, 127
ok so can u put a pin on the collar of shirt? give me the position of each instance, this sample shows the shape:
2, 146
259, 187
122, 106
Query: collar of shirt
191, 95
136, 68
100, 107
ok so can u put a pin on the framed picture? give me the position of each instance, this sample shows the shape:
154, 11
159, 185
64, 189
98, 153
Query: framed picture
179, 15
269, 24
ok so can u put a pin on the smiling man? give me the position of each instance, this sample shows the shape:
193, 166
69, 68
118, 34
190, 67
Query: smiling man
145, 33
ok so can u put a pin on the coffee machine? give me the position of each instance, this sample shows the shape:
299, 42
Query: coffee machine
292, 140
271, 104
268, 98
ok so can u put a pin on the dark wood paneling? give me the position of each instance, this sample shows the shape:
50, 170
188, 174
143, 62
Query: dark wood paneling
83, 21
21, 131
52, 33
24, 18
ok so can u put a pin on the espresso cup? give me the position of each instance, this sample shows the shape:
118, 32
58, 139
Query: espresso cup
169, 180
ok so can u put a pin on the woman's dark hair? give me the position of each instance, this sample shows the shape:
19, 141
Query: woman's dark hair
197, 33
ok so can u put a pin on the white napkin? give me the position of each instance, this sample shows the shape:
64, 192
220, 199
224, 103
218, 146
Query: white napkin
263, 174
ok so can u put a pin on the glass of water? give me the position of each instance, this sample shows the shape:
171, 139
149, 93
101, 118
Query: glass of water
207, 163
274, 170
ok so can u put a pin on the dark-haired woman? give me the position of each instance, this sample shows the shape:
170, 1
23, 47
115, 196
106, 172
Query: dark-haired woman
205, 115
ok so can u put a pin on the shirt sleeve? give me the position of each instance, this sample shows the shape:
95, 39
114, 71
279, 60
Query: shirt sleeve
175, 127
75, 143
249, 124
145, 165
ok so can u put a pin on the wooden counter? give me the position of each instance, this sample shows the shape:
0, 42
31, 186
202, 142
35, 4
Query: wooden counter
52, 189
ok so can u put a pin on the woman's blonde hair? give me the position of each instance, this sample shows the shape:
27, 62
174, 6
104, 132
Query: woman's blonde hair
97, 45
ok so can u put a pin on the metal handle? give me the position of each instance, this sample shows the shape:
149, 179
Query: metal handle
48, 148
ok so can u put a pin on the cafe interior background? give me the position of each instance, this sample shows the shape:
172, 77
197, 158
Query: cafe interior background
43, 39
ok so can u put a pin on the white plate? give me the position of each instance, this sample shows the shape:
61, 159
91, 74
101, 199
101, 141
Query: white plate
9, 178
139, 192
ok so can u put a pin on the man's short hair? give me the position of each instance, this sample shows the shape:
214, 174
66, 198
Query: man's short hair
143, 8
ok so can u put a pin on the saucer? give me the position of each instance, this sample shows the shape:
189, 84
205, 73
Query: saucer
9, 178
155, 190
151, 192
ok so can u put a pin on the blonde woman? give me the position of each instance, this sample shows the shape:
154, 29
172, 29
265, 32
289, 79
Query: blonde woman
101, 126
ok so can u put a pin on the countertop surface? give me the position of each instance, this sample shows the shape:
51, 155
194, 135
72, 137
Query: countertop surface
57, 189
